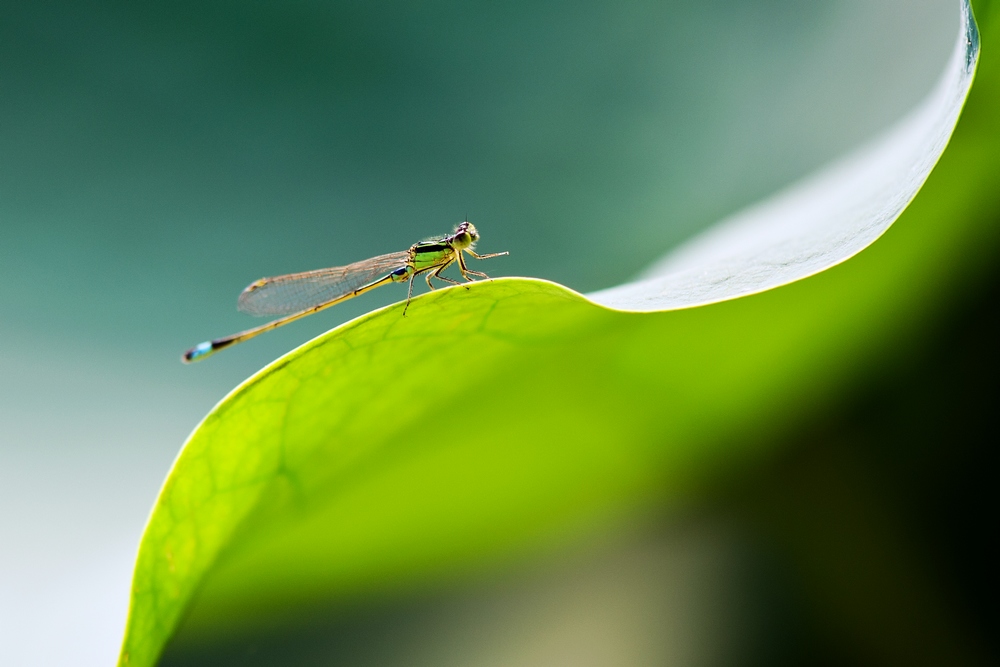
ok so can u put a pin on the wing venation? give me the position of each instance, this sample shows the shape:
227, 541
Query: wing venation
295, 292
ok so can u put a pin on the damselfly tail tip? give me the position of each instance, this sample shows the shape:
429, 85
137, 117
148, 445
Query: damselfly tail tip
198, 352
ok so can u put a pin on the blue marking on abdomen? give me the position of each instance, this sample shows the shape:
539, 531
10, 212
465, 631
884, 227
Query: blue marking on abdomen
201, 349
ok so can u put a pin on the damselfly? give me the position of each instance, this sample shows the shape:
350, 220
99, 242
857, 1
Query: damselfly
299, 294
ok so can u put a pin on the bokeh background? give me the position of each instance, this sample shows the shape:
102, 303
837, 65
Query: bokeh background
156, 159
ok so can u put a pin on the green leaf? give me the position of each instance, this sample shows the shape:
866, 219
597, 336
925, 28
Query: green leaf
516, 413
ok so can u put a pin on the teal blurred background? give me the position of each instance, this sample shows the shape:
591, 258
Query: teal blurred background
156, 159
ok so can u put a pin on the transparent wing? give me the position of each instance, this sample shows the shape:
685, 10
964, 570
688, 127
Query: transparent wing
284, 295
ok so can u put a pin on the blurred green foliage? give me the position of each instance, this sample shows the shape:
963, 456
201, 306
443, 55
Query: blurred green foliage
515, 416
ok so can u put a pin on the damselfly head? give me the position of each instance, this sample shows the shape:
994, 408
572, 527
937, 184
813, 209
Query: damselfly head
465, 235
467, 228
